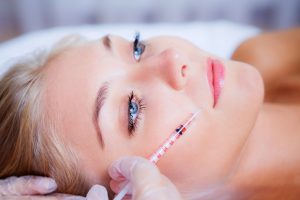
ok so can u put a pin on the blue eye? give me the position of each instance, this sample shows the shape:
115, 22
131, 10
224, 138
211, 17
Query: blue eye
133, 110
135, 107
138, 47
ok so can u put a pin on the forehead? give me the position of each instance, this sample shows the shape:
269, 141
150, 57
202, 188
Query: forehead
76, 53
70, 81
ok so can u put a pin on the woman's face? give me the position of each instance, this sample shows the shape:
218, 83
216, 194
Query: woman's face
111, 105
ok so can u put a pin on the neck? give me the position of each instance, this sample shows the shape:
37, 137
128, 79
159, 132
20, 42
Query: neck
270, 159
268, 167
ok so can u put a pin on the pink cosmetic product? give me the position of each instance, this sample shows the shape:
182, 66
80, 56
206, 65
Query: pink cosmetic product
215, 75
166, 145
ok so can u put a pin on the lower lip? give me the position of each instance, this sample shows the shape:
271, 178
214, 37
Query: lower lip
215, 75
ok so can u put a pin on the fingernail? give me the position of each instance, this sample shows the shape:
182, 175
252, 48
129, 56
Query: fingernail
97, 191
48, 184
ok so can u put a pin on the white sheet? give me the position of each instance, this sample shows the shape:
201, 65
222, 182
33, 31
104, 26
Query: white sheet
218, 37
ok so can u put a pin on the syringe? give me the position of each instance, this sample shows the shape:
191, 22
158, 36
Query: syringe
179, 131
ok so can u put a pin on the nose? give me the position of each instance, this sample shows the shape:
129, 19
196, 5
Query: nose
171, 66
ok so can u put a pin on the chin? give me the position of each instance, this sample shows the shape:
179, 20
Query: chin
249, 97
243, 91
252, 82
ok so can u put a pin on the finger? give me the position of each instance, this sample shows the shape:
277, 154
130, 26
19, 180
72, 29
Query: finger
116, 186
152, 186
97, 192
115, 172
27, 185
60, 196
146, 180
42, 198
121, 169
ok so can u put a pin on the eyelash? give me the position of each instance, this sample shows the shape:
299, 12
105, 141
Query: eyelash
138, 47
138, 50
132, 123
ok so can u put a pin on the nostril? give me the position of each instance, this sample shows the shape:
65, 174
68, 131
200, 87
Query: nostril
183, 70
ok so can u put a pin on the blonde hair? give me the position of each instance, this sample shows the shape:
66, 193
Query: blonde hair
29, 143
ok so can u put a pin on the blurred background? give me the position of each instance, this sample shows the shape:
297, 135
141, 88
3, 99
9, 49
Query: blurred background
22, 16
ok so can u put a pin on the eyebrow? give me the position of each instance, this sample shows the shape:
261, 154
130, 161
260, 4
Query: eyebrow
107, 42
100, 100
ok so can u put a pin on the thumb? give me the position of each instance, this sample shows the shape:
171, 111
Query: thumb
97, 192
146, 180
27, 185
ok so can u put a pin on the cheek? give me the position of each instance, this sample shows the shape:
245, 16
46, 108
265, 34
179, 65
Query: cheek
165, 110
194, 160
244, 98
204, 156
209, 151
240, 101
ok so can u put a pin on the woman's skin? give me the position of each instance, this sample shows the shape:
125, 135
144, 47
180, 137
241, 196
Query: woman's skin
270, 167
239, 145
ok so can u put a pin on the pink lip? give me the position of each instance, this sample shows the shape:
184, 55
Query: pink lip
215, 75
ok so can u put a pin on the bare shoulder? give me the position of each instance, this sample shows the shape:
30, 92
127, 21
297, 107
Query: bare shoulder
276, 55
269, 165
283, 43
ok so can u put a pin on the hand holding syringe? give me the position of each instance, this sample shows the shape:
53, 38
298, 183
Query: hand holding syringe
162, 149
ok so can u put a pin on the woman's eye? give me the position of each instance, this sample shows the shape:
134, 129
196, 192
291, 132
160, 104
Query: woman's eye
135, 107
133, 110
138, 47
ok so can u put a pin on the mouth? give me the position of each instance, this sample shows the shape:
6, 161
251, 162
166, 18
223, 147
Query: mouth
215, 76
